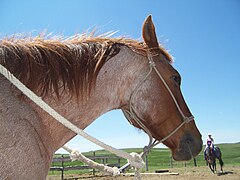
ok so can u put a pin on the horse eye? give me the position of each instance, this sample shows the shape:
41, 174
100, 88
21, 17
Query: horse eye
177, 79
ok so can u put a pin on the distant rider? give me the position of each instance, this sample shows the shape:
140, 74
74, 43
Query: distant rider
210, 141
209, 144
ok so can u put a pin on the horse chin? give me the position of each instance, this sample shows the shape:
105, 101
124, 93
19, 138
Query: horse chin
181, 156
189, 147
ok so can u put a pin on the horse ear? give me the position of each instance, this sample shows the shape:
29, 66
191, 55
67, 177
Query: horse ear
149, 34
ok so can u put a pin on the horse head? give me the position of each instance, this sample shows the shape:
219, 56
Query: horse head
157, 105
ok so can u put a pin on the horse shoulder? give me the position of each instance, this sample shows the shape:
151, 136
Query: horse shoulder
22, 153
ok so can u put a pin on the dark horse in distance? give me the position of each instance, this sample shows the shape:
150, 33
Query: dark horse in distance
211, 155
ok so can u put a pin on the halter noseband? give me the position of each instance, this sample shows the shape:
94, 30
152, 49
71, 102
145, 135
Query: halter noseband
131, 114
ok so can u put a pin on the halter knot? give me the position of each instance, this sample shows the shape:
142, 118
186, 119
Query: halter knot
147, 149
188, 119
152, 64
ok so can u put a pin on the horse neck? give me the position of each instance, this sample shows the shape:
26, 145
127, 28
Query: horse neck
114, 85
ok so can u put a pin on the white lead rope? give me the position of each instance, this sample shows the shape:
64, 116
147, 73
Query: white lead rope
76, 155
63, 120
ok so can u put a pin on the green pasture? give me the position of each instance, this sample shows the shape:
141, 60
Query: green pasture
160, 158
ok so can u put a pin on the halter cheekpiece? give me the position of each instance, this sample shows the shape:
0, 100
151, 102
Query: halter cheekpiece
131, 114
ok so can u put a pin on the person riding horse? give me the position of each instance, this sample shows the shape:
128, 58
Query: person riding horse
210, 145
211, 153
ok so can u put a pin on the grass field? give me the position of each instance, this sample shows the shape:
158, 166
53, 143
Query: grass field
159, 158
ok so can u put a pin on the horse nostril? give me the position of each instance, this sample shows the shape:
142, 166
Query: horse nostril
188, 142
188, 147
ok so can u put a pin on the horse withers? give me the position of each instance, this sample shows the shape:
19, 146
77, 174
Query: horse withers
82, 78
211, 155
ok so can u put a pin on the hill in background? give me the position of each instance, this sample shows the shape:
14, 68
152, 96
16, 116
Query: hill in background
160, 158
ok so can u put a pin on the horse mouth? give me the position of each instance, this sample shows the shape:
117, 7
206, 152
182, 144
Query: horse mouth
189, 147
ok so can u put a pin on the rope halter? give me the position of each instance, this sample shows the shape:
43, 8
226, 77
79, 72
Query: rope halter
132, 115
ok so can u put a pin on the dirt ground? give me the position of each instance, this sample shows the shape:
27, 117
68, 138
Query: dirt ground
188, 173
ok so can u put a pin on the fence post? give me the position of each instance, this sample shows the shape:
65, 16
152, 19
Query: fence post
119, 161
94, 154
171, 163
195, 162
146, 159
62, 175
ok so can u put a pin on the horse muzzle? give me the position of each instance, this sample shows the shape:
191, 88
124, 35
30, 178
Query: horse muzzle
189, 147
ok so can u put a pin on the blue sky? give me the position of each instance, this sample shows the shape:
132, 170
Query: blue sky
203, 36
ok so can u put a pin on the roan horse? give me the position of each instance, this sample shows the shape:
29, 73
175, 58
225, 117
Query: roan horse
211, 158
81, 78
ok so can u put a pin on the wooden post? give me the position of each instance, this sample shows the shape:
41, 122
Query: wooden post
119, 161
171, 163
62, 175
146, 159
195, 162
94, 154
53, 166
